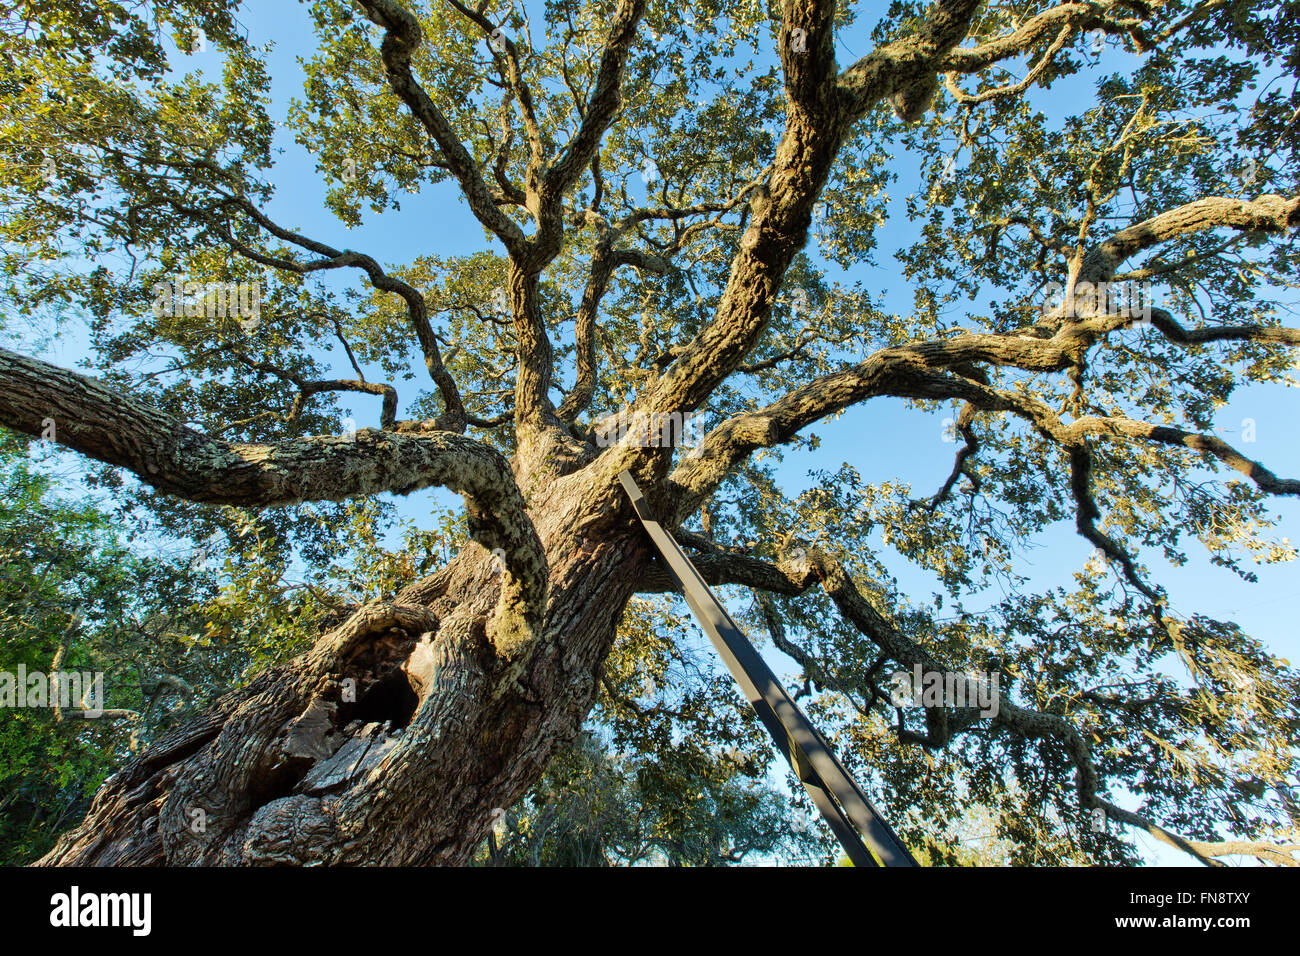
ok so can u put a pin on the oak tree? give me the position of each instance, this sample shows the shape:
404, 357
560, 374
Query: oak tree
674, 198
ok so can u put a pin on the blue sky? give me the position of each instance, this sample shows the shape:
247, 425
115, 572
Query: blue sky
905, 444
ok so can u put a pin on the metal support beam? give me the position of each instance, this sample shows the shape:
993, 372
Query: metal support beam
865, 836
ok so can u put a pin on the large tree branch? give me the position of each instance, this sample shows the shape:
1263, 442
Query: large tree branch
820, 109
1086, 515
916, 370
602, 104
85, 415
402, 37
544, 190
794, 576
808, 55
1206, 851
1011, 89
1042, 27
1172, 330
906, 70
534, 412
1267, 214
1085, 306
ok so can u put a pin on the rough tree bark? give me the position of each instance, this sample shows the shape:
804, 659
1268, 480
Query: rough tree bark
407, 764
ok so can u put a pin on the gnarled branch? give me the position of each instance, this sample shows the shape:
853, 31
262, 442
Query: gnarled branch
87, 416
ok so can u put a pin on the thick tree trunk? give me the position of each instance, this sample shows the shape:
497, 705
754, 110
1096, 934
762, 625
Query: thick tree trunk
396, 737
